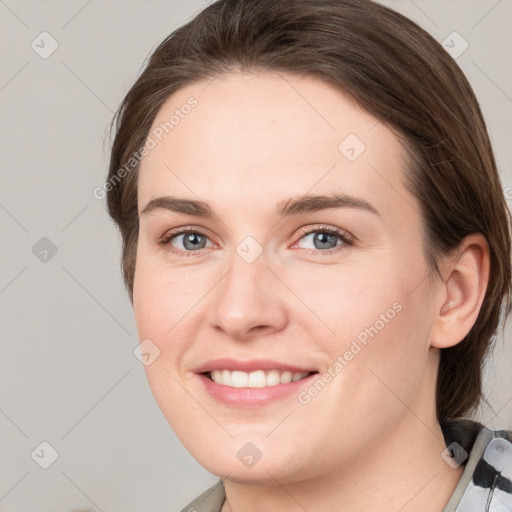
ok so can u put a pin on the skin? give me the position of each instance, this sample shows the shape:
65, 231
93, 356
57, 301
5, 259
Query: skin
370, 439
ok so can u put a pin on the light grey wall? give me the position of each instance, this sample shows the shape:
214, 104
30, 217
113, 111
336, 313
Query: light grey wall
68, 374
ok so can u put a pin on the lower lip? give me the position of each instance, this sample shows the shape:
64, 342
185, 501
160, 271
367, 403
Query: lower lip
252, 397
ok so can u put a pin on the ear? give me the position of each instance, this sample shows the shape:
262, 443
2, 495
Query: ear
465, 279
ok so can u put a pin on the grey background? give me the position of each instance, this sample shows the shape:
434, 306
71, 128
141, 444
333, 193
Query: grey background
68, 373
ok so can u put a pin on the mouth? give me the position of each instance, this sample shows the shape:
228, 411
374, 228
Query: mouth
255, 379
254, 383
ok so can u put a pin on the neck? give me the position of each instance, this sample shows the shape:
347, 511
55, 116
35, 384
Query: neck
400, 471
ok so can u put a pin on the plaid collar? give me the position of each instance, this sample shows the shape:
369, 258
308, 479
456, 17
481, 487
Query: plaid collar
486, 483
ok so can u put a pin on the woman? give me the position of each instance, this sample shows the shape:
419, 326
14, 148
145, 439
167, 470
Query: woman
317, 249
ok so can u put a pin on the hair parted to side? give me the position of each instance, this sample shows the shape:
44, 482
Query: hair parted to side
395, 71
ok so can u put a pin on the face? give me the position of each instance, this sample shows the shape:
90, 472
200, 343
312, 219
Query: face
302, 259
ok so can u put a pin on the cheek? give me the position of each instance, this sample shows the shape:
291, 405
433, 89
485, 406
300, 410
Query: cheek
386, 353
164, 301
163, 313
349, 298
149, 303
378, 317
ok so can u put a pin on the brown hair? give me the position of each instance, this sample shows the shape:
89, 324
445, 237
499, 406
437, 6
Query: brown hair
395, 71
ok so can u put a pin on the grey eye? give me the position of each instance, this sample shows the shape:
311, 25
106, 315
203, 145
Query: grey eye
191, 241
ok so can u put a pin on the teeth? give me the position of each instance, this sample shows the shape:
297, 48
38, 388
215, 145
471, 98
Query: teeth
256, 379
286, 377
273, 378
239, 379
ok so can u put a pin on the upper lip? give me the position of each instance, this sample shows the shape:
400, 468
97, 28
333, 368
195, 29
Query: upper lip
250, 366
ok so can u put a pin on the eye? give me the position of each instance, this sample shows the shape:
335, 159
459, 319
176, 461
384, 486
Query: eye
325, 239
185, 241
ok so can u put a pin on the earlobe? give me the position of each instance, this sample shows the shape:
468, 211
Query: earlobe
464, 288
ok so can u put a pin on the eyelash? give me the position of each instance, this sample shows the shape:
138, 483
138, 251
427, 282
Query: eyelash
347, 240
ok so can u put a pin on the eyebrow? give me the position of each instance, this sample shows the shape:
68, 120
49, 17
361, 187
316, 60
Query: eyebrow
293, 206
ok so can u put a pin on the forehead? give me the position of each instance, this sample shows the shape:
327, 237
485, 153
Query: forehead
263, 136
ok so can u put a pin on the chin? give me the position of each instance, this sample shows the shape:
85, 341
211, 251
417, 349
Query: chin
260, 474
246, 462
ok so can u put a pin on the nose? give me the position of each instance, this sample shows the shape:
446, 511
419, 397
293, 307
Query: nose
249, 301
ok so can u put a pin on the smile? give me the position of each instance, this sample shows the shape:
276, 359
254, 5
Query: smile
253, 383
254, 379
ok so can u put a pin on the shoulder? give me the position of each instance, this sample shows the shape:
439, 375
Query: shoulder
210, 500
